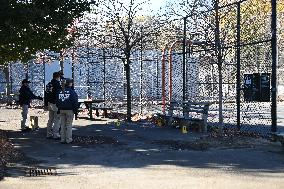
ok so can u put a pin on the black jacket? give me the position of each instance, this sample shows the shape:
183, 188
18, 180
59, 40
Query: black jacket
26, 95
67, 100
56, 88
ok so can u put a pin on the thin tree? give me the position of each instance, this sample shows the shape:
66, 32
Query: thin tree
128, 27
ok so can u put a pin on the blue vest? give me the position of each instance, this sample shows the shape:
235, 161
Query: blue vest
67, 100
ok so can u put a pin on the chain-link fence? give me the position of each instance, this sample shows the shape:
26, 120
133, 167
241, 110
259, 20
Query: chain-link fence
229, 63
224, 57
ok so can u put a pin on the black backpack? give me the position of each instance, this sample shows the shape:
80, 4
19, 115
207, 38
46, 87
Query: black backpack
48, 93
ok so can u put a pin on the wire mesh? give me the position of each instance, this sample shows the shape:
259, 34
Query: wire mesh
203, 82
99, 72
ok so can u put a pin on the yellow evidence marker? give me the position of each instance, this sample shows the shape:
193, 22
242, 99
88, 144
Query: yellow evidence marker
34, 122
117, 123
184, 130
159, 123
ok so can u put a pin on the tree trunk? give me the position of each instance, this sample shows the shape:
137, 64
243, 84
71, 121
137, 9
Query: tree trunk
6, 71
219, 61
128, 88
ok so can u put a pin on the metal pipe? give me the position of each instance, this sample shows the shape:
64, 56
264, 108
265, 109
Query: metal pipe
184, 92
218, 52
44, 73
141, 73
157, 76
104, 70
73, 59
163, 79
11, 79
274, 65
171, 70
238, 54
188, 42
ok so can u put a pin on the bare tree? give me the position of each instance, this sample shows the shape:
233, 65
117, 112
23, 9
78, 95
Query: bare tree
128, 28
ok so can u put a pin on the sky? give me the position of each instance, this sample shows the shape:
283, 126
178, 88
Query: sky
154, 4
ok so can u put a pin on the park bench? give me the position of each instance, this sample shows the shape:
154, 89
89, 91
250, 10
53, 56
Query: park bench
91, 105
104, 109
187, 119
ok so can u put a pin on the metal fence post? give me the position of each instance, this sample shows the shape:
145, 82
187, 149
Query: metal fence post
104, 71
11, 79
218, 51
238, 54
184, 60
141, 72
274, 65
44, 73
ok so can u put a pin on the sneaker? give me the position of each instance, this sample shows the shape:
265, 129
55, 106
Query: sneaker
56, 138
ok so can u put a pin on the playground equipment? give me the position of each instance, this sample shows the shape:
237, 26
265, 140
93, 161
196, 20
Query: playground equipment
170, 68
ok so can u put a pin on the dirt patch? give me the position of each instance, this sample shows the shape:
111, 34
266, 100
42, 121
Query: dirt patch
94, 140
215, 132
182, 145
229, 142
233, 138
208, 142
8, 154
227, 139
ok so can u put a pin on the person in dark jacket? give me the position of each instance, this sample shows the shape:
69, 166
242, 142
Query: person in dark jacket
26, 95
67, 103
53, 89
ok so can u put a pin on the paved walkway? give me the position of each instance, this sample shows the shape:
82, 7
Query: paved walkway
127, 157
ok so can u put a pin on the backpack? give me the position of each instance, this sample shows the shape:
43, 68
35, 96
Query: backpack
48, 93
48, 88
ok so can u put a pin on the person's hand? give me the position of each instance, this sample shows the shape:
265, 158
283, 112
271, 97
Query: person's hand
40, 98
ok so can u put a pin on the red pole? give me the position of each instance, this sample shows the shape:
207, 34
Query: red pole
170, 73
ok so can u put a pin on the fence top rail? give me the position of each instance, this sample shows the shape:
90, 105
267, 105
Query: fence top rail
219, 7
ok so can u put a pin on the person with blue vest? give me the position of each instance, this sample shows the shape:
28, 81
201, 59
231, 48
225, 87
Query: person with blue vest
67, 103
25, 98
52, 89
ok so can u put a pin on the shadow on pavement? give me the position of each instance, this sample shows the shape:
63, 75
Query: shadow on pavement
139, 146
